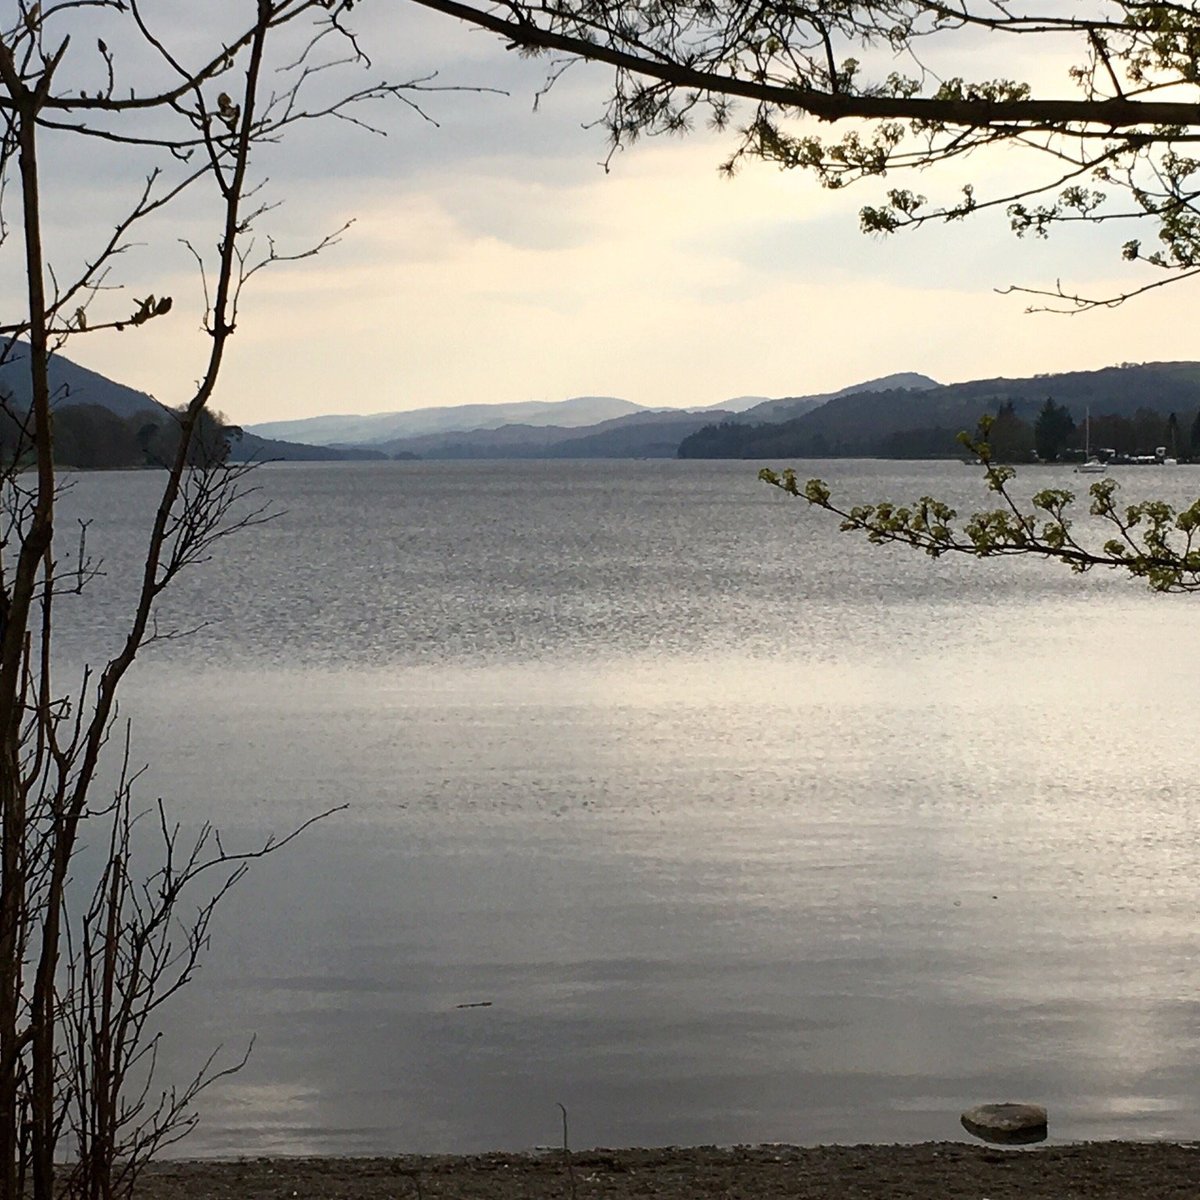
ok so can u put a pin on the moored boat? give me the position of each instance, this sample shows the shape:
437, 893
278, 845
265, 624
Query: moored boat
1090, 465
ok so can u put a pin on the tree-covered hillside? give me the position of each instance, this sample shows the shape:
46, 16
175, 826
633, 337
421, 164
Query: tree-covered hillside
100, 424
70, 385
1130, 404
92, 437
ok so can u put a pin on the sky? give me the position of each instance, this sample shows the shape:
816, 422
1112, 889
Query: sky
492, 258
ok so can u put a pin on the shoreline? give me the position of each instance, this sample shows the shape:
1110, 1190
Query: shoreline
924, 1171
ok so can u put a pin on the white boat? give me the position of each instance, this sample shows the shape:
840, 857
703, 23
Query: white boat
1090, 465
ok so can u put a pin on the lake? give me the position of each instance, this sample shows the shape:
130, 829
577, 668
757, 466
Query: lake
728, 826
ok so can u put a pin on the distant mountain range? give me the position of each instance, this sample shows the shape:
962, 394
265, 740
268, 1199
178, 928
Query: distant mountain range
582, 427
904, 415
378, 428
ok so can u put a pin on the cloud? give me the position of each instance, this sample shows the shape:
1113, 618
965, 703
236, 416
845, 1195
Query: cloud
493, 258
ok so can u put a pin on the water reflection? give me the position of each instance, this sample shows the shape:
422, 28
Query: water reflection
744, 831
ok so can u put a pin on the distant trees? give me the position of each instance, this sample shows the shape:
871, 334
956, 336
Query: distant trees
1176, 446
1012, 438
207, 447
930, 441
1052, 430
728, 439
1145, 432
867, 429
92, 437
1149, 431
1112, 432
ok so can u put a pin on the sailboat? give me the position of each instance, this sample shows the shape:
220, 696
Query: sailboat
1090, 464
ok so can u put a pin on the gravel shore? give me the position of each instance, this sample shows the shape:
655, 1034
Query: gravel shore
932, 1171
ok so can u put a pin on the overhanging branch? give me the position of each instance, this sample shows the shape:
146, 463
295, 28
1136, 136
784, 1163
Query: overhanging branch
1111, 114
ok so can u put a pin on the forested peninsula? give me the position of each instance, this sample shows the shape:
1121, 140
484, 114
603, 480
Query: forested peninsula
103, 425
1134, 409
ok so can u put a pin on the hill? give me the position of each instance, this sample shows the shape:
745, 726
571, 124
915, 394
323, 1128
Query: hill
378, 428
735, 404
102, 424
646, 434
71, 385
787, 408
896, 423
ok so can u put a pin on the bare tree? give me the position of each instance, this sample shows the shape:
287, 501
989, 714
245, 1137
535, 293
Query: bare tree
85, 963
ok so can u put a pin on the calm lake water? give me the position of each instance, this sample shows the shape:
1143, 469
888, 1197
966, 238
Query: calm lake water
743, 830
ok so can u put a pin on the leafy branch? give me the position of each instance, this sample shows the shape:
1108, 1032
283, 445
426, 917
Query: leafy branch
1118, 145
1151, 540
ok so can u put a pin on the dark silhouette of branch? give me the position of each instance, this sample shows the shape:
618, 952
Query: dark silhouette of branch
1123, 124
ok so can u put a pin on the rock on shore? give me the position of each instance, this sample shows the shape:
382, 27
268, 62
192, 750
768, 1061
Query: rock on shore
1006, 1123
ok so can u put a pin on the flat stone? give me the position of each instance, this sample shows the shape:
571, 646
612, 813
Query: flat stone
1006, 1124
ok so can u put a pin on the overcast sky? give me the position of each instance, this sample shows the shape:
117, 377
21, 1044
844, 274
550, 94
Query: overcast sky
493, 259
